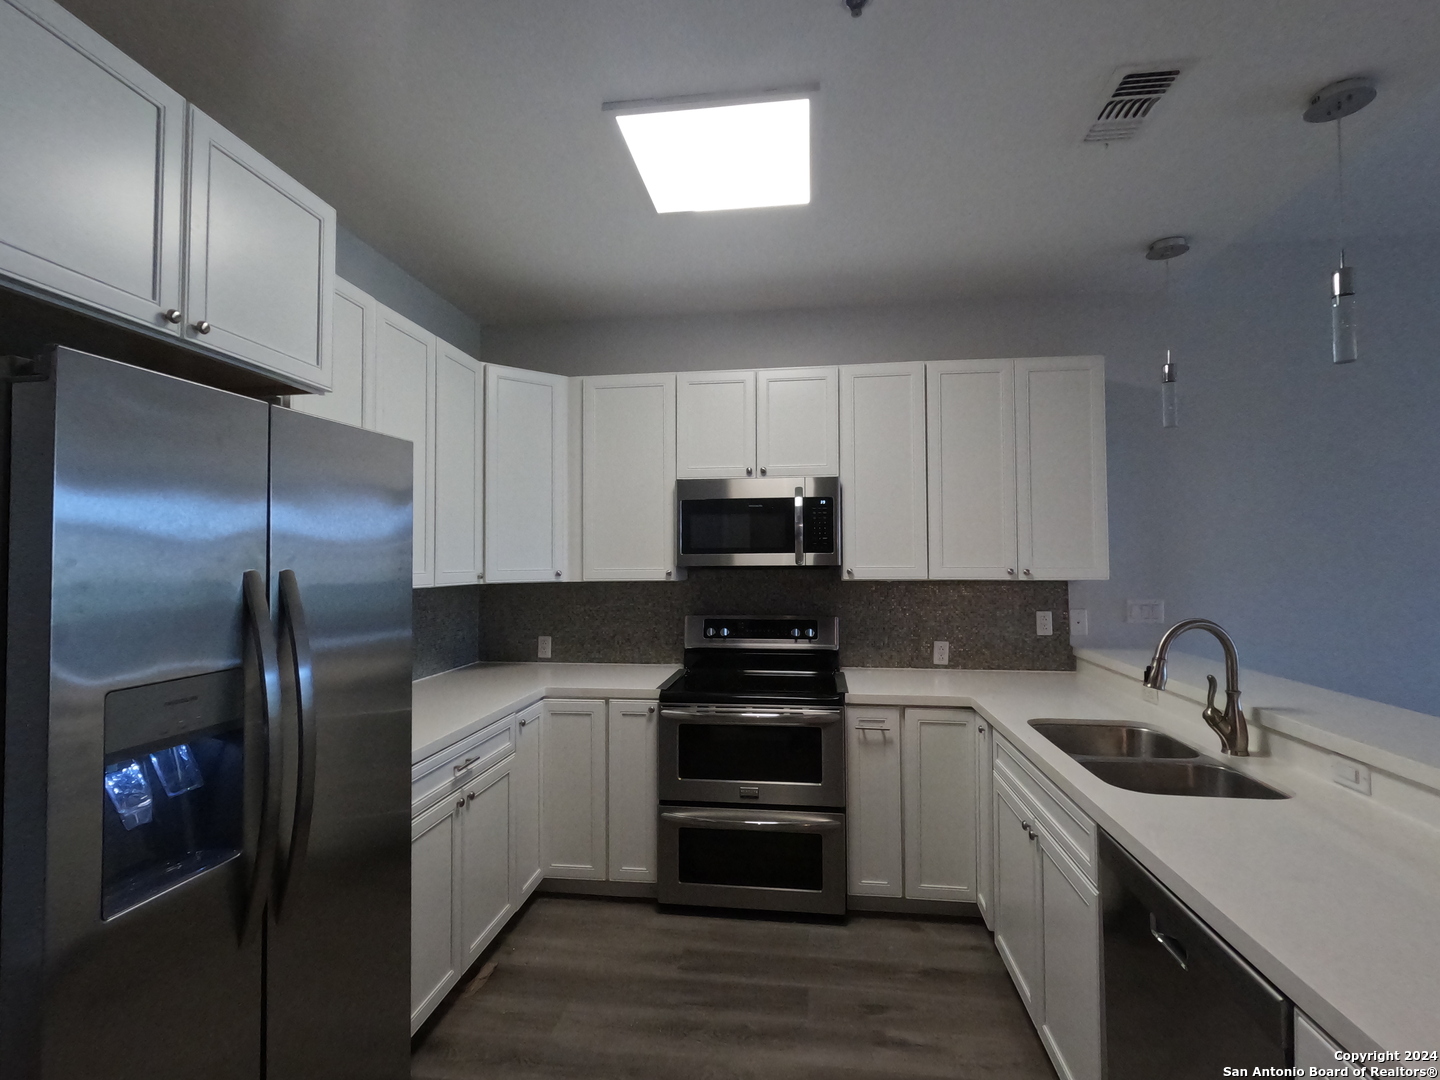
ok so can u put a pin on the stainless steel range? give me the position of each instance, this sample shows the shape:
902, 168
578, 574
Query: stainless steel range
752, 766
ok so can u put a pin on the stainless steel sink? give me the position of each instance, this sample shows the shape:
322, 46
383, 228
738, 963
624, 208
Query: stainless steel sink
1139, 758
1162, 777
1104, 738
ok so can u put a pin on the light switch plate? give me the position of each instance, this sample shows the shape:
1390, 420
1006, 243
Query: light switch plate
1079, 622
544, 648
940, 654
1144, 611
1350, 774
1044, 623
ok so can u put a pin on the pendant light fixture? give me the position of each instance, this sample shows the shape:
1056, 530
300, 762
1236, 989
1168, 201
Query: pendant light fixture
1163, 250
1334, 103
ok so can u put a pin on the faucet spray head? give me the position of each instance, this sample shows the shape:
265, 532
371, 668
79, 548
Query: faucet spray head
1155, 674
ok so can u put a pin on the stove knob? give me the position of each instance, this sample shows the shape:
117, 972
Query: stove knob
709, 631
724, 631
795, 632
810, 632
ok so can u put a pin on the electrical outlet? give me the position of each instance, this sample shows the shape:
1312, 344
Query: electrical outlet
544, 648
1350, 774
1044, 623
940, 654
1079, 622
1144, 611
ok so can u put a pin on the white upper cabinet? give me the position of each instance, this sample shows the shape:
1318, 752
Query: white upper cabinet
882, 470
526, 493
971, 411
715, 418
628, 503
797, 430
91, 167
351, 399
261, 262
405, 408
1064, 530
459, 468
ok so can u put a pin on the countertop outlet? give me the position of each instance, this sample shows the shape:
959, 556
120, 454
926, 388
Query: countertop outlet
941, 653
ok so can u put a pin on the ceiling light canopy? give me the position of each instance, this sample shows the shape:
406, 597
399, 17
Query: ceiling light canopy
720, 154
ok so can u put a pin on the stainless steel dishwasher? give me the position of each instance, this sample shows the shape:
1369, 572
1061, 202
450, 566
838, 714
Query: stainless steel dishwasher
1179, 1001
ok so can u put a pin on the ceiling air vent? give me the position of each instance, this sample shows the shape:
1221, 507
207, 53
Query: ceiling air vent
1132, 100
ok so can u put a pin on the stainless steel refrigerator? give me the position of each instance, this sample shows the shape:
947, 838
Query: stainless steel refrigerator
207, 735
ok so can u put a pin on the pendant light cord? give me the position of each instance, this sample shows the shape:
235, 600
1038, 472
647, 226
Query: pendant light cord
1340, 182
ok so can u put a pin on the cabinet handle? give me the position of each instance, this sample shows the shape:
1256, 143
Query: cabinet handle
172, 315
466, 764
201, 327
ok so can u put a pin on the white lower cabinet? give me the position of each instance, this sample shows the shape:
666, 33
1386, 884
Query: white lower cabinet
526, 773
1313, 1048
487, 892
873, 811
1046, 913
573, 784
631, 748
938, 751
434, 889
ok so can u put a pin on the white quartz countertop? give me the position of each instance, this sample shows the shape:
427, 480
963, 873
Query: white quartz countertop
1333, 897
447, 707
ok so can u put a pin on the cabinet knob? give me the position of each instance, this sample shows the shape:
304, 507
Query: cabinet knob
850, 571
749, 471
172, 315
470, 797
669, 573
201, 327
459, 804
559, 573
1010, 571
1027, 573
762, 470
981, 729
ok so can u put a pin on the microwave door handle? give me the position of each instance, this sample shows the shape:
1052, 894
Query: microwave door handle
260, 651
799, 526
292, 614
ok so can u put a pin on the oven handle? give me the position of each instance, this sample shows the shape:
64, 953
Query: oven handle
817, 717
754, 820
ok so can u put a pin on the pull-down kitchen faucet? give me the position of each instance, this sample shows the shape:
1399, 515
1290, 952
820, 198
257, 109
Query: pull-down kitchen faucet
1230, 724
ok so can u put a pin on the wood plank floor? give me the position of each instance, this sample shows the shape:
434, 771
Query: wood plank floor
600, 989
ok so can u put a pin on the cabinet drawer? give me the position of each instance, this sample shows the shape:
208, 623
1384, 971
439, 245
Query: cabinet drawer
1070, 826
442, 772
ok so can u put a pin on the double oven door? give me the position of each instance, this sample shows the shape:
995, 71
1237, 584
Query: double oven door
752, 807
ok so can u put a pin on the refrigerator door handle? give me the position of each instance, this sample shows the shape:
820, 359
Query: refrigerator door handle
292, 616
260, 649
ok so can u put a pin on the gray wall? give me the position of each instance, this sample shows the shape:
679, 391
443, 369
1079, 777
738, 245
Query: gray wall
361, 265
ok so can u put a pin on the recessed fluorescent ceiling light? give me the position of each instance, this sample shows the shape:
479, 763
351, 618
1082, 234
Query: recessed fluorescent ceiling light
723, 157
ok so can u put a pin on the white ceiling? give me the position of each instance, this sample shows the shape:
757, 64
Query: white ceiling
465, 138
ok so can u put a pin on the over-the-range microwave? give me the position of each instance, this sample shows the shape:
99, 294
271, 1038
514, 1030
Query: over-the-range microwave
785, 521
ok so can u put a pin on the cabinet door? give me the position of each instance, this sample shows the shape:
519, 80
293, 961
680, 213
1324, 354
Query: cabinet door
1017, 899
526, 439
572, 784
1064, 531
797, 429
985, 833
405, 408
260, 268
628, 509
1313, 1048
939, 756
92, 167
970, 408
525, 778
487, 889
459, 467
352, 362
434, 888
632, 809
873, 815
715, 423
1070, 948
882, 470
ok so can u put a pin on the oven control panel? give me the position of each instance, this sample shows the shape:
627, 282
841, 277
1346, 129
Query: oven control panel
761, 632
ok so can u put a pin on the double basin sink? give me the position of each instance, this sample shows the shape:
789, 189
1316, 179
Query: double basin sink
1139, 758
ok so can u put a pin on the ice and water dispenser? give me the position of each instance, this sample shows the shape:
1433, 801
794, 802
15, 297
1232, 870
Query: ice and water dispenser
174, 791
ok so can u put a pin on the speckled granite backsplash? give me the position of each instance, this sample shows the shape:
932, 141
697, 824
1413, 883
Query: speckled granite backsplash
447, 630
989, 624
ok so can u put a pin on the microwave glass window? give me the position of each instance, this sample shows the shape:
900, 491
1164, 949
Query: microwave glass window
737, 526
